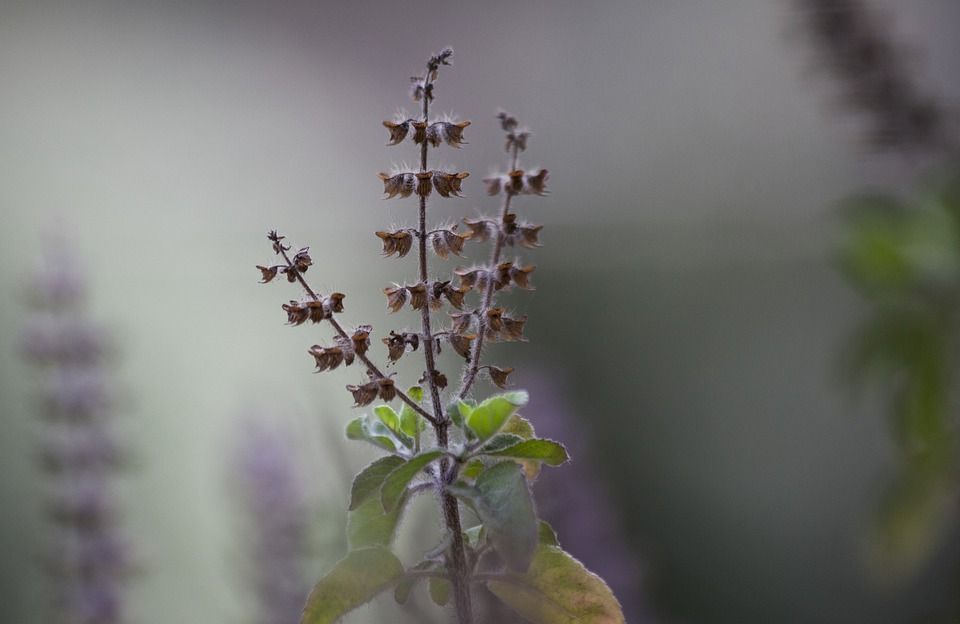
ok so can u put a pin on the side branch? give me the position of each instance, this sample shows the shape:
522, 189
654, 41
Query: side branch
371, 366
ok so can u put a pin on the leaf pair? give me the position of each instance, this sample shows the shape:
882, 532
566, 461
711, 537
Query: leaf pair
557, 589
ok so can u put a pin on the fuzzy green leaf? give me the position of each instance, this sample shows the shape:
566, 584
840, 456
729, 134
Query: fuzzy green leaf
557, 589
439, 591
488, 418
396, 482
370, 525
547, 535
370, 479
472, 469
354, 580
411, 423
519, 426
359, 429
499, 442
402, 592
388, 416
506, 510
549, 452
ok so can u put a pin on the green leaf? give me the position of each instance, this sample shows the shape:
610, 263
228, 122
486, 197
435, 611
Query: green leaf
519, 426
439, 591
459, 412
370, 479
388, 417
475, 535
488, 418
506, 510
402, 592
354, 580
547, 535
411, 423
395, 485
370, 525
472, 469
549, 452
557, 589
359, 429
391, 420
500, 442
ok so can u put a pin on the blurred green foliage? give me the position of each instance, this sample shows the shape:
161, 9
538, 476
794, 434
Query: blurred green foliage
903, 255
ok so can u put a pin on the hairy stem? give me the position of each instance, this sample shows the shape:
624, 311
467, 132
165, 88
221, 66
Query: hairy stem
457, 558
471, 371
363, 357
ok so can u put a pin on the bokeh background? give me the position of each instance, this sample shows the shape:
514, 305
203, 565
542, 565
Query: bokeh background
686, 310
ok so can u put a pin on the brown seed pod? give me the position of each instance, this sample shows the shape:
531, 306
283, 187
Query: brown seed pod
364, 394
297, 314
361, 339
402, 184
396, 298
268, 273
499, 375
397, 131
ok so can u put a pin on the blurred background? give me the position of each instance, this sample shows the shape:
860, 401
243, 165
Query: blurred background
686, 327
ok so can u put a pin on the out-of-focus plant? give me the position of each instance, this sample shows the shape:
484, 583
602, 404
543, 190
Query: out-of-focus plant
482, 454
271, 479
902, 253
903, 256
89, 559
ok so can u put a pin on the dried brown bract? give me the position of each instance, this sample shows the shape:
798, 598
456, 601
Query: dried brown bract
461, 322
446, 242
361, 339
278, 247
396, 297
302, 260
268, 273
317, 311
513, 328
364, 394
424, 183
535, 184
327, 358
448, 184
419, 131
436, 378
499, 375
495, 319
297, 313
399, 242
335, 302
446, 132
461, 343
402, 184
418, 296
397, 344
481, 229
397, 130
521, 276
387, 389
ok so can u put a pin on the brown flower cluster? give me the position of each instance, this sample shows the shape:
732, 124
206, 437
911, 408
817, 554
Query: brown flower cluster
435, 134
425, 295
518, 182
513, 233
313, 310
501, 276
404, 184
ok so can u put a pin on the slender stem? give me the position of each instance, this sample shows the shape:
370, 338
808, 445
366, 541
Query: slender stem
471, 371
457, 558
363, 357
